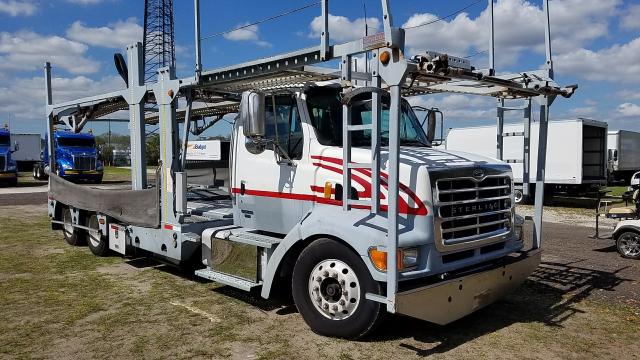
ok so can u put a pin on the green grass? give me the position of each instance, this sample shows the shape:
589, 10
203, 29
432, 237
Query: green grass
59, 301
616, 190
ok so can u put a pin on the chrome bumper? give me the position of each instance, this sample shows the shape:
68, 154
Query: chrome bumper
453, 299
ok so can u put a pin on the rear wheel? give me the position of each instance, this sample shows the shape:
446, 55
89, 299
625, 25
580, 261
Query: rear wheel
628, 245
71, 234
95, 240
329, 286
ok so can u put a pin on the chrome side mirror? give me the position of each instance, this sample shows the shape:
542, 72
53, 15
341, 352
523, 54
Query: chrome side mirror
252, 114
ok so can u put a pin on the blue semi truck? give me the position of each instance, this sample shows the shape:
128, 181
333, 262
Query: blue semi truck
77, 158
8, 166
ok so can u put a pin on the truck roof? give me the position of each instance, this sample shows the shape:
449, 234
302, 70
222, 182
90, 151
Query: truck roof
591, 122
70, 134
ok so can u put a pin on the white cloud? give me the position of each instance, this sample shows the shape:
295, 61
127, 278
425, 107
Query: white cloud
630, 20
629, 94
594, 65
342, 29
25, 102
28, 51
458, 107
117, 35
519, 25
15, 8
583, 111
247, 33
629, 110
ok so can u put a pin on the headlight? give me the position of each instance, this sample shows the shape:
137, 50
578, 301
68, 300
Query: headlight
11, 168
406, 258
66, 165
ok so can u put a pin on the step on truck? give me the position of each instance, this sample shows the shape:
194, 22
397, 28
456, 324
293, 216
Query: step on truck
8, 166
335, 191
76, 158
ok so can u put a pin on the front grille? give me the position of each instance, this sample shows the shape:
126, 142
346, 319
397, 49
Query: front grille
470, 209
3, 163
84, 163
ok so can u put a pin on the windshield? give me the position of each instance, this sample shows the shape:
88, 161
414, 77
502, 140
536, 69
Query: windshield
5, 140
325, 110
76, 142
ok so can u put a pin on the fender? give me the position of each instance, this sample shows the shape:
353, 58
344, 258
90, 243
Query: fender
321, 221
633, 225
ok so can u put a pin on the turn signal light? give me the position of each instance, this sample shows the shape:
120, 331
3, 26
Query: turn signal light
385, 57
379, 259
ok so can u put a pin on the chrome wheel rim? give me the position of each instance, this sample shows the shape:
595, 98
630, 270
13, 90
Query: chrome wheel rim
94, 234
68, 226
334, 289
629, 244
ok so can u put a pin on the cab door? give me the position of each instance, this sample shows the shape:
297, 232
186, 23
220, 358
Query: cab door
269, 187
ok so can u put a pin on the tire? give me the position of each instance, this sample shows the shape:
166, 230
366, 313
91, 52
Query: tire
628, 245
35, 173
96, 242
71, 234
519, 196
338, 313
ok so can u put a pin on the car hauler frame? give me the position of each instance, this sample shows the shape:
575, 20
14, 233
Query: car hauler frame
161, 221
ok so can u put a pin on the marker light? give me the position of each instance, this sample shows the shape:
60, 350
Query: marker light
385, 57
327, 190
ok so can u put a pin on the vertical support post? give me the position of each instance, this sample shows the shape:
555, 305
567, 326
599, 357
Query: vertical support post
375, 137
540, 176
500, 130
165, 90
547, 39
492, 64
388, 22
526, 151
324, 35
49, 111
346, 137
137, 90
198, 41
394, 179
185, 132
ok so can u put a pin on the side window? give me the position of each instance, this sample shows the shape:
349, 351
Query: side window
285, 127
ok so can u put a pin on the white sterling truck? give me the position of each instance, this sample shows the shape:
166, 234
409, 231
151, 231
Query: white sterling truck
335, 191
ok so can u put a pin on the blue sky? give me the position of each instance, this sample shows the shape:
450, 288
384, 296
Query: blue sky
596, 44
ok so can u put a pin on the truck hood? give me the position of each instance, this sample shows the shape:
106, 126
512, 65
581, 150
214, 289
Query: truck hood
430, 158
77, 151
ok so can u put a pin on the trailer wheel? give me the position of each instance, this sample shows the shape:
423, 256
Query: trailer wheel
96, 242
71, 234
329, 286
628, 245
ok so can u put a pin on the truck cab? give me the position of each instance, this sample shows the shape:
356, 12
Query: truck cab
76, 157
8, 166
457, 208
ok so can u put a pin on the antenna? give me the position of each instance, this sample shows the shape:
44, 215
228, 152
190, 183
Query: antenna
159, 41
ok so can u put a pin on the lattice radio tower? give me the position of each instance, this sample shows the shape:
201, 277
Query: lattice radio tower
159, 43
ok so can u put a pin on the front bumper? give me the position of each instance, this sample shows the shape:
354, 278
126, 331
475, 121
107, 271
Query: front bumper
450, 300
8, 175
81, 174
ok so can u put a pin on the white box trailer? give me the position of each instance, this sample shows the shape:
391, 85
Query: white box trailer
29, 149
623, 154
576, 155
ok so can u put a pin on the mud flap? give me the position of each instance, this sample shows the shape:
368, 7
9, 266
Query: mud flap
453, 299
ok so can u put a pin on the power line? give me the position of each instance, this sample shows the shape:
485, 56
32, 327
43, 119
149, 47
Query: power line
446, 16
288, 12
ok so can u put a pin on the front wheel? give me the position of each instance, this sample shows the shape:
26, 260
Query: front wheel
329, 286
628, 245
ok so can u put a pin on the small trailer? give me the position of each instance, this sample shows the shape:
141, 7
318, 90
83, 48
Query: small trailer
335, 191
576, 154
623, 155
